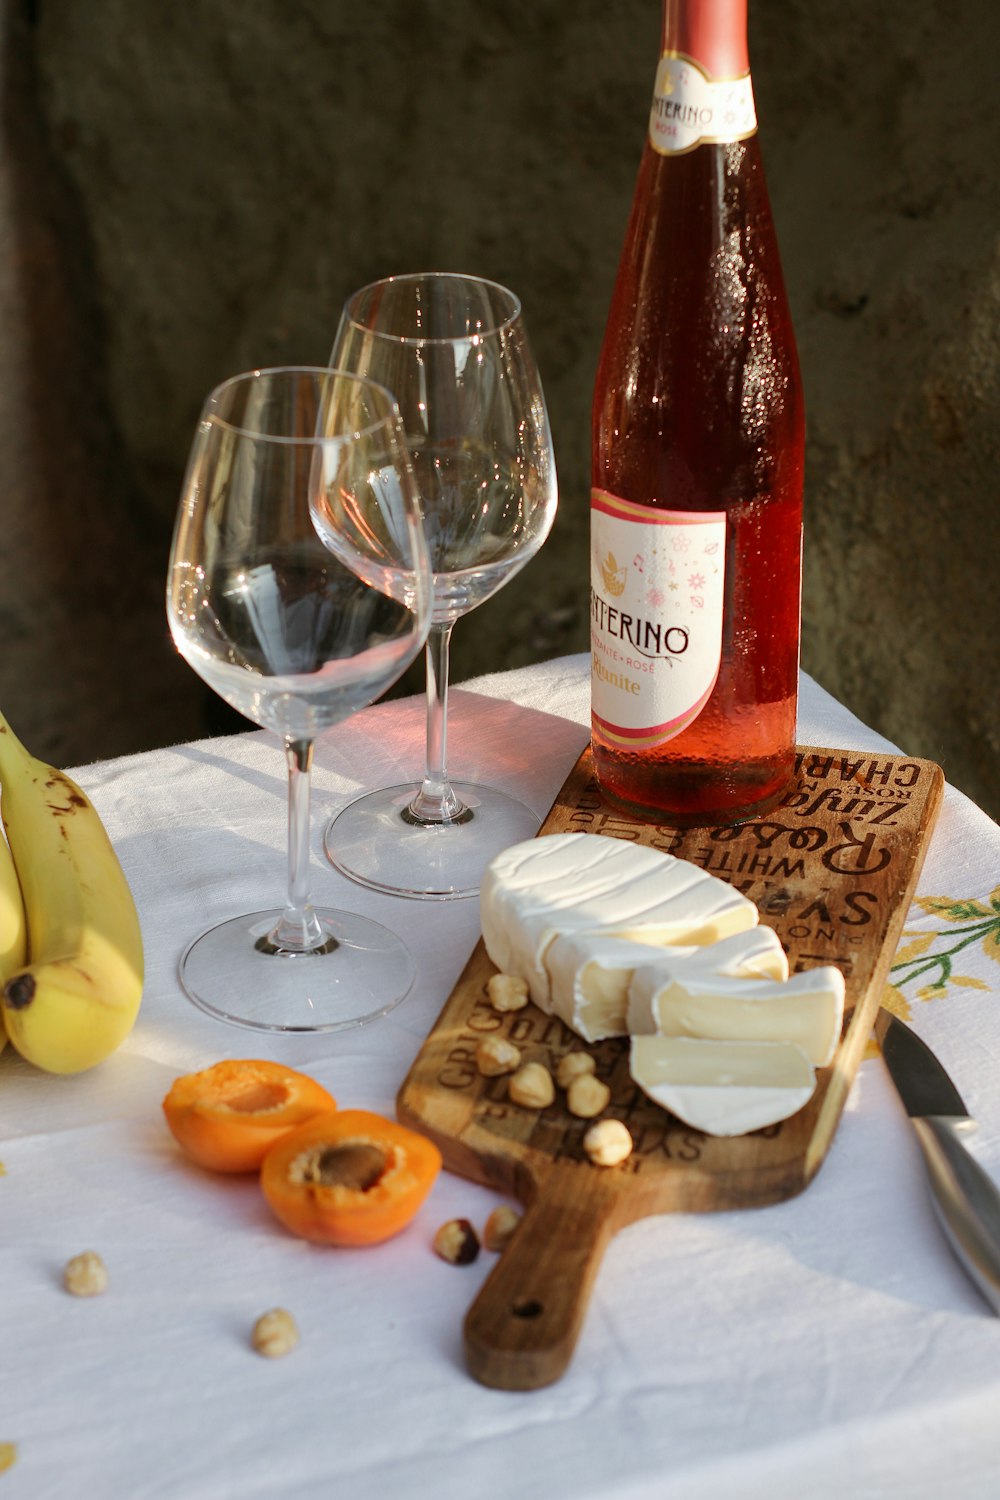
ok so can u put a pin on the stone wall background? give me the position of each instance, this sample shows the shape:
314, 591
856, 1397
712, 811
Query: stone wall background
192, 189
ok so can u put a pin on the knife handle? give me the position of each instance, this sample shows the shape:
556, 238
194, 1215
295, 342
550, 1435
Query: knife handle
966, 1200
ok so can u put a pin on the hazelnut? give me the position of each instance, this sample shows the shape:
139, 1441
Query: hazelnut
572, 1066
457, 1242
499, 1227
607, 1143
532, 1086
507, 992
86, 1275
495, 1055
587, 1096
275, 1333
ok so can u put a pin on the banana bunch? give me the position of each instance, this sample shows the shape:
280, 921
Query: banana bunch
71, 961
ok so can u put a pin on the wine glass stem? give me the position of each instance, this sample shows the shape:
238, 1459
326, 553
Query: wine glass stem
437, 801
298, 930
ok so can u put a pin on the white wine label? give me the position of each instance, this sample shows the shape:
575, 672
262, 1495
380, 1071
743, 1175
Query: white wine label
656, 601
689, 108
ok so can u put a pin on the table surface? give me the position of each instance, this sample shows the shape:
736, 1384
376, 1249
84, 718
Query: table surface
829, 1346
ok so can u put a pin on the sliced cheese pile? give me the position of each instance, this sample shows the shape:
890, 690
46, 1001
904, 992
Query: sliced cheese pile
616, 938
593, 980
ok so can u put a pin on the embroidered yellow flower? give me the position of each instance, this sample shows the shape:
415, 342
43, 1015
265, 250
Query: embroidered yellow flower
930, 956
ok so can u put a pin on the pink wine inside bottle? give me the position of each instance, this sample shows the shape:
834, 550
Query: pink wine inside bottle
697, 461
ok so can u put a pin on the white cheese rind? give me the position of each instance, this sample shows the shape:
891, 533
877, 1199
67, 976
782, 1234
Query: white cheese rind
592, 977
566, 883
807, 1009
723, 1088
589, 977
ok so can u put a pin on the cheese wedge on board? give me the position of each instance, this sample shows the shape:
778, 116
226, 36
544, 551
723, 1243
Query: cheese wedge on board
562, 883
591, 983
807, 1010
723, 1088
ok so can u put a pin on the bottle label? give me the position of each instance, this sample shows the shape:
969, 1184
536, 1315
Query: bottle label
656, 599
689, 108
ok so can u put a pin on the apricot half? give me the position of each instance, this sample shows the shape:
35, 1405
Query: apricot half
227, 1117
349, 1177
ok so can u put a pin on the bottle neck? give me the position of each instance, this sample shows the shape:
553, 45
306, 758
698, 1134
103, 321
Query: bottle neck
711, 32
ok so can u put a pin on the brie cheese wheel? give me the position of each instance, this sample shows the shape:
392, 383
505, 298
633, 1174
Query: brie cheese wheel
723, 1088
561, 883
685, 1000
591, 983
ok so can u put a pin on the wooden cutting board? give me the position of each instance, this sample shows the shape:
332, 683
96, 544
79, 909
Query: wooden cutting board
833, 871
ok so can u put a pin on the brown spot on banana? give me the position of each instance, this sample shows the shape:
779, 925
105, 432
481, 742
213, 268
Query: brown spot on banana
19, 992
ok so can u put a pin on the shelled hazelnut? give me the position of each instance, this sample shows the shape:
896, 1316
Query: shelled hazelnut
507, 992
275, 1333
532, 1086
573, 1065
495, 1056
587, 1096
86, 1275
607, 1143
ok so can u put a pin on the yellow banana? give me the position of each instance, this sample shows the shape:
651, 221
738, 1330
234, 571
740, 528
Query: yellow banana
13, 938
79, 997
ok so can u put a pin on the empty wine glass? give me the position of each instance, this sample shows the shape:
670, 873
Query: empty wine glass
453, 351
297, 633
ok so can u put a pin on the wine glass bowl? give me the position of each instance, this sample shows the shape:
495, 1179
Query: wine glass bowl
454, 352
299, 590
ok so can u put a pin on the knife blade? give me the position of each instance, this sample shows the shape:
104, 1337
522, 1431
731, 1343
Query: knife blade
965, 1198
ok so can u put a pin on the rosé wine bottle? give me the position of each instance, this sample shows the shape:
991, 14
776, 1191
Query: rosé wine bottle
697, 459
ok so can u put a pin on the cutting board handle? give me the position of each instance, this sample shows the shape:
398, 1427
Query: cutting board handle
522, 1328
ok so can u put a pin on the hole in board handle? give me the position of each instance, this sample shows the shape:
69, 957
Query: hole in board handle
528, 1307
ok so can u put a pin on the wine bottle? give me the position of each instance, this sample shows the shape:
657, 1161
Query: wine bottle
697, 458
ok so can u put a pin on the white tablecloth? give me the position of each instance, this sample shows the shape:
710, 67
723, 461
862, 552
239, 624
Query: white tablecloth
826, 1347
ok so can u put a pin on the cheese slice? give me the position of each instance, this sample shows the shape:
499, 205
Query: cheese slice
755, 954
562, 883
723, 1088
591, 983
807, 1009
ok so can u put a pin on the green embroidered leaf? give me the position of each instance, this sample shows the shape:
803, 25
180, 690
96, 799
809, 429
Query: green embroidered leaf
995, 898
953, 910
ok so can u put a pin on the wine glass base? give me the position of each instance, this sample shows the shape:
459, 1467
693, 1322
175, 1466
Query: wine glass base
234, 974
374, 843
